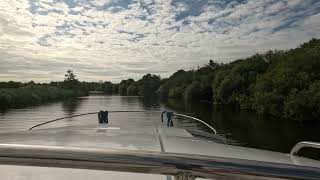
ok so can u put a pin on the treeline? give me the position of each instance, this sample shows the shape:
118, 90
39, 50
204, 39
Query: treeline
17, 94
25, 96
105, 87
284, 84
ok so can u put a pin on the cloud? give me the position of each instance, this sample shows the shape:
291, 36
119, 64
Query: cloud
118, 39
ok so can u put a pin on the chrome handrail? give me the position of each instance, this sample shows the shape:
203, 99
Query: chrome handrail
90, 113
54, 120
190, 117
77, 115
296, 148
195, 166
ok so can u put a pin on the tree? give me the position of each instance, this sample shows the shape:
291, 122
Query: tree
107, 87
70, 76
70, 81
212, 64
193, 91
133, 90
123, 86
288, 88
149, 84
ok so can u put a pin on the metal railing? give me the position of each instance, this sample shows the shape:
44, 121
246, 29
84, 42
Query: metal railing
178, 165
84, 114
296, 148
196, 119
90, 113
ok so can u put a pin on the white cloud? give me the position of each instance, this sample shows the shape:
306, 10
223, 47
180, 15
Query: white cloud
118, 39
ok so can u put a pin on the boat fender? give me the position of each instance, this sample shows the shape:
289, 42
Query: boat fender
103, 117
169, 117
163, 112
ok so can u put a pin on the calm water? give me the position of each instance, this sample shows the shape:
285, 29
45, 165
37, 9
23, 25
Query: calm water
241, 128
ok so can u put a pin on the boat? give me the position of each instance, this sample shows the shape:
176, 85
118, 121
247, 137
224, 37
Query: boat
111, 150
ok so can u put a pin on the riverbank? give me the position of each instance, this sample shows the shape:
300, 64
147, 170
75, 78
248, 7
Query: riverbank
26, 96
283, 84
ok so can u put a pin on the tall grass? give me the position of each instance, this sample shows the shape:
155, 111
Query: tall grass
17, 97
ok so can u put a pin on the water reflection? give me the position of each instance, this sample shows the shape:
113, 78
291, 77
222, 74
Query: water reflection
240, 127
131, 102
151, 102
71, 106
248, 128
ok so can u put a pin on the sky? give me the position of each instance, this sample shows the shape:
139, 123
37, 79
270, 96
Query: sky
111, 40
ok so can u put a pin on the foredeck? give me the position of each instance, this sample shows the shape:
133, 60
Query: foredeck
145, 138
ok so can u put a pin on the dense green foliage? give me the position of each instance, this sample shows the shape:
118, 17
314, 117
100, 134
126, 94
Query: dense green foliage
106, 87
146, 86
284, 84
17, 94
290, 87
17, 97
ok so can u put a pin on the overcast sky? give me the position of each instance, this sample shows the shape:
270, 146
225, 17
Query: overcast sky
119, 39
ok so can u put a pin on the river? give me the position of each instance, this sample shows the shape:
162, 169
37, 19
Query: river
239, 127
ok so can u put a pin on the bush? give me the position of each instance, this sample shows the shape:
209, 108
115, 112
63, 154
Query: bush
133, 90
16, 97
289, 88
176, 92
303, 105
193, 91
